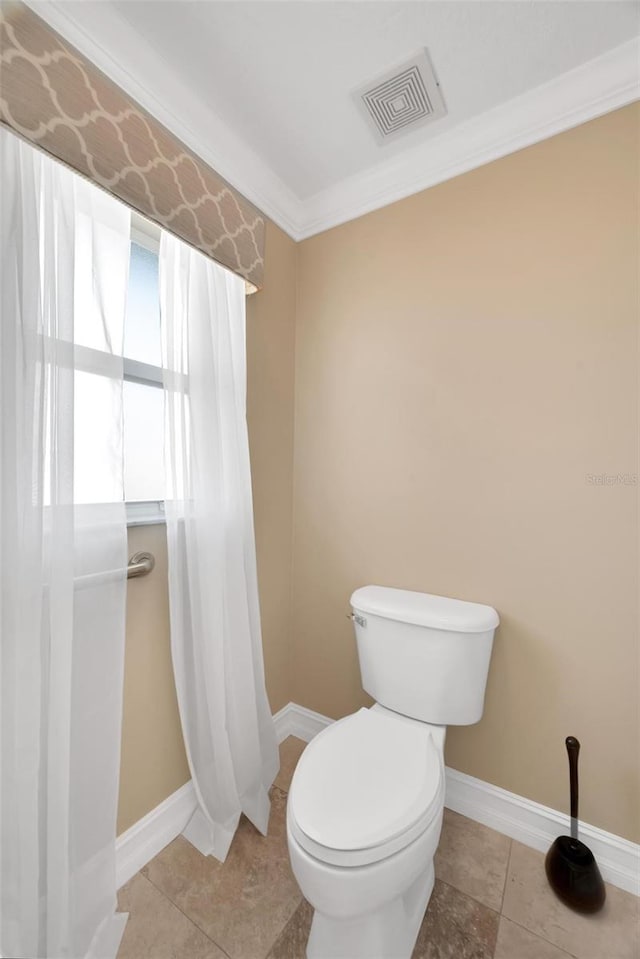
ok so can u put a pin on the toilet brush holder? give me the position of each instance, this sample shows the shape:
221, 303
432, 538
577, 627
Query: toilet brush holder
571, 867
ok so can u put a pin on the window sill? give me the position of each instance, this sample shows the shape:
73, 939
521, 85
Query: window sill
146, 514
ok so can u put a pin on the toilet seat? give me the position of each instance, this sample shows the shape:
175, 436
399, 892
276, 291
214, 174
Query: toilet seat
365, 788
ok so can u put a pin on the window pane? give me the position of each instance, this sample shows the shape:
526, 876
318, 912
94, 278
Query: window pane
97, 474
142, 324
143, 442
100, 279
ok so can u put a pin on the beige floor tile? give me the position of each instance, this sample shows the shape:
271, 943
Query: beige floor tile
612, 933
242, 904
514, 942
292, 942
156, 929
290, 751
473, 858
456, 927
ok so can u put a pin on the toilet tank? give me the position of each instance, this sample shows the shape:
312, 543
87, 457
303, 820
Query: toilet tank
424, 656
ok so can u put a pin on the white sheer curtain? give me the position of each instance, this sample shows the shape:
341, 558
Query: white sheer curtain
215, 619
64, 260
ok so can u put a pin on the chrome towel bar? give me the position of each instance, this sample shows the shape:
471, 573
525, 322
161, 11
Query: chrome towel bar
140, 564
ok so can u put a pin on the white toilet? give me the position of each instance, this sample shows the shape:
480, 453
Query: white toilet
366, 800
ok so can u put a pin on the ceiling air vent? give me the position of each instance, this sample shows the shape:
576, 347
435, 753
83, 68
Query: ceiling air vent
403, 99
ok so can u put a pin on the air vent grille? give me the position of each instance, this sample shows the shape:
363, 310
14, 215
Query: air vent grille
406, 97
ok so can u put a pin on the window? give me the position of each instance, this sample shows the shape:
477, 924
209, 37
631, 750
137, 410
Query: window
143, 400
97, 391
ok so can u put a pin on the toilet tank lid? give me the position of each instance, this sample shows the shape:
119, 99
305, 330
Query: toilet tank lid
424, 609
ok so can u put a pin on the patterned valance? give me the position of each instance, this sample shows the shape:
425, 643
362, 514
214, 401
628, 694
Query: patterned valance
53, 96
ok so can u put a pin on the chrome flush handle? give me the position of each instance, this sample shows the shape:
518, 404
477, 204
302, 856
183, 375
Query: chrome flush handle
357, 618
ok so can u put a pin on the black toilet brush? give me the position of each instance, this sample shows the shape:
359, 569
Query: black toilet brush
571, 868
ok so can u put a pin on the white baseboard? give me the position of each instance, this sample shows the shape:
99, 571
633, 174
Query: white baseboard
522, 819
537, 826
147, 837
298, 721
144, 840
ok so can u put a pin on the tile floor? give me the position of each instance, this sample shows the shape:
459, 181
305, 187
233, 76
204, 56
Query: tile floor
490, 900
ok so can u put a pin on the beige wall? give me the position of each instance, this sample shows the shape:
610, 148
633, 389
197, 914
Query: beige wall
465, 358
153, 763
270, 384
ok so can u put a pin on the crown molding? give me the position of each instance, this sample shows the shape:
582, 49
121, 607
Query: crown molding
597, 87
156, 88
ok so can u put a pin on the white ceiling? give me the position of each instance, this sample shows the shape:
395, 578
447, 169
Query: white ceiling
265, 88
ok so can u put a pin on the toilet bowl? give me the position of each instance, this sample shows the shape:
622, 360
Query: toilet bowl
364, 816
366, 800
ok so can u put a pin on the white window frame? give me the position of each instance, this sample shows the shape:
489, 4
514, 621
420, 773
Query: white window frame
144, 512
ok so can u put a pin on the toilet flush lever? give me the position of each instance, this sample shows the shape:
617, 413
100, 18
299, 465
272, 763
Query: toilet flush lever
357, 618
